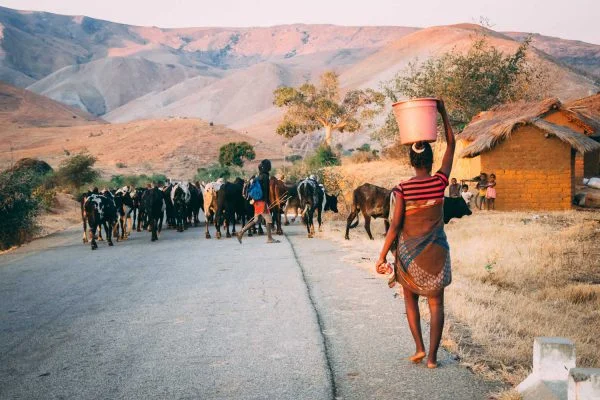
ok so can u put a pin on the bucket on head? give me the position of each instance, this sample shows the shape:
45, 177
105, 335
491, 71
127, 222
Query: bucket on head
417, 120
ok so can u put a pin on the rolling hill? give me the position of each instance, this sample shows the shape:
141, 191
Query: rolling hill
21, 108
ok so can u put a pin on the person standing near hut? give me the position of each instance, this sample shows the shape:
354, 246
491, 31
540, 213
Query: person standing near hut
490, 193
422, 258
481, 187
454, 189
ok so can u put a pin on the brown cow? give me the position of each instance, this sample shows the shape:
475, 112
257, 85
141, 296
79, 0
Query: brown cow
278, 193
373, 202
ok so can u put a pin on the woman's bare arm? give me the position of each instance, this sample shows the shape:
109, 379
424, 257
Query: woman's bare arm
448, 159
393, 232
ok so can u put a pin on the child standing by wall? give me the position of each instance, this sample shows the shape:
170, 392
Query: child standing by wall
454, 189
466, 195
481, 190
490, 193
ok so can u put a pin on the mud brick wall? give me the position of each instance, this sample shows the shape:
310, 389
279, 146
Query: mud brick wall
533, 172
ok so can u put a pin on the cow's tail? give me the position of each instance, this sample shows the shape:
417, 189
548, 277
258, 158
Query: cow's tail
355, 208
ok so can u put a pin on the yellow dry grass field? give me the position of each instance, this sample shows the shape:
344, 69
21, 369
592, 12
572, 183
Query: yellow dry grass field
174, 146
515, 276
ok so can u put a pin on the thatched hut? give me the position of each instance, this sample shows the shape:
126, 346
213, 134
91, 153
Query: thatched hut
532, 148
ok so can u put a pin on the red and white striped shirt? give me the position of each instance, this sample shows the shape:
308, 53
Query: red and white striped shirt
423, 189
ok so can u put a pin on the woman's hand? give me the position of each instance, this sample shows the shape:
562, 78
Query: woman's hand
381, 266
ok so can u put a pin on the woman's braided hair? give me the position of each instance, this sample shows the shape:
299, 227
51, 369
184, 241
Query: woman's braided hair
421, 155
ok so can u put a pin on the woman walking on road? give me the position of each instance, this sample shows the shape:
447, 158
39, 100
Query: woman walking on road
422, 255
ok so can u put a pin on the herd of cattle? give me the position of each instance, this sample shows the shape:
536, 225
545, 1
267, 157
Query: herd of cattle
119, 211
224, 204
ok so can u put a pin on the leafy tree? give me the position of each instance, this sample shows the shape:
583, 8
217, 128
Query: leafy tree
309, 108
77, 171
234, 153
468, 82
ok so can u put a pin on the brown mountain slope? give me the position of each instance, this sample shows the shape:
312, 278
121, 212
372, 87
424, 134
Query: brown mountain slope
174, 146
386, 63
574, 53
22, 108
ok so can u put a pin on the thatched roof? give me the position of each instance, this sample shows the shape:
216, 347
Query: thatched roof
490, 128
587, 110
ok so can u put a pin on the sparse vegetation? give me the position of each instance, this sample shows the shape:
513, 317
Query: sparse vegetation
120, 165
234, 153
309, 108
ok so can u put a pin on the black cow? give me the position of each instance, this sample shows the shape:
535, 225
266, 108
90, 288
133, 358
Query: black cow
373, 202
169, 205
153, 206
100, 211
180, 197
196, 203
455, 208
313, 198
230, 202
138, 214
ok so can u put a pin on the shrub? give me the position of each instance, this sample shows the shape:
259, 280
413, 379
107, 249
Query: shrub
216, 171
363, 156
38, 167
18, 208
293, 158
234, 153
365, 147
322, 157
77, 171
120, 165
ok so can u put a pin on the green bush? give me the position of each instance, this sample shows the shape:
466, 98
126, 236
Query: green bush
18, 207
324, 156
216, 171
120, 165
77, 171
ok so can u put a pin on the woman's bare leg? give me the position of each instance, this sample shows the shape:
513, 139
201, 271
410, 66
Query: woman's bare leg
436, 309
413, 315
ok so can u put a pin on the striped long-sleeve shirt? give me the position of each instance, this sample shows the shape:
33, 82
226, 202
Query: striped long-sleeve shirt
423, 189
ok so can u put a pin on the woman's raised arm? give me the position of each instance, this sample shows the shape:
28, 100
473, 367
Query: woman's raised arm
448, 159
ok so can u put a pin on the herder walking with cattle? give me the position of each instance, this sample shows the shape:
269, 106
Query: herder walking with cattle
259, 193
422, 256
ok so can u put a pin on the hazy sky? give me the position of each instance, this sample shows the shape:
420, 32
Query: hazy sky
571, 19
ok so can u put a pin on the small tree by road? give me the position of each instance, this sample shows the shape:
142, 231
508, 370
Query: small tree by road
77, 171
234, 153
309, 108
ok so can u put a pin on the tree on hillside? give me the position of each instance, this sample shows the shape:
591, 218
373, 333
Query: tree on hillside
234, 153
309, 108
77, 171
469, 82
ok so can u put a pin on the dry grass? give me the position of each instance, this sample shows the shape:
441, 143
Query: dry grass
515, 276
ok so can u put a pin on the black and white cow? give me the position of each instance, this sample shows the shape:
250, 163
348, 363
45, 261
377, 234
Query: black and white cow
125, 206
313, 198
153, 206
100, 211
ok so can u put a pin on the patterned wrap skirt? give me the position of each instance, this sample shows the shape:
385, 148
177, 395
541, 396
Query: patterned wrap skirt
423, 255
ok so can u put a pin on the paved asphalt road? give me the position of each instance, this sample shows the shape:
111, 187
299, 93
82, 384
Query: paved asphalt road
190, 318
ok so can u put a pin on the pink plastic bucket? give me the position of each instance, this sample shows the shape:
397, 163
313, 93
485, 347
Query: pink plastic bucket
417, 120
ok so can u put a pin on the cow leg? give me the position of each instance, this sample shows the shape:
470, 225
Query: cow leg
368, 225
153, 228
349, 222
319, 218
93, 237
85, 238
108, 227
100, 233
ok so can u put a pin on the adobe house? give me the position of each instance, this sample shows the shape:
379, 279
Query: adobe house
532, 147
